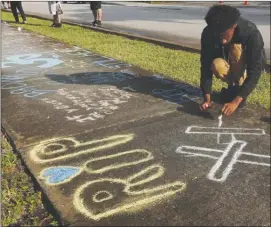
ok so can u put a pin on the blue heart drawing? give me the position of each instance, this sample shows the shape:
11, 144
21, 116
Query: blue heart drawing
60, 174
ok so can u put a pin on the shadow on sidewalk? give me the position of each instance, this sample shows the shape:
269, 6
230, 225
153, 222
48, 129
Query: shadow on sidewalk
187, 97
266, 119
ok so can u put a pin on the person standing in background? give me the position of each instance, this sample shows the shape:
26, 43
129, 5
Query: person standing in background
96, 8
18, 5
55, 8
4, 6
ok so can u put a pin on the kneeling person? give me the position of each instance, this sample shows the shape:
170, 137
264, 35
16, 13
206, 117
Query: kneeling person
232, 49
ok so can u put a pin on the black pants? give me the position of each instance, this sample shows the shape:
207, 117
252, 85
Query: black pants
228, 95
17, 5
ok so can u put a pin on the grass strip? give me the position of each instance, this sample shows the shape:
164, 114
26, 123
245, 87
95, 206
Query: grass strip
175, 64
21, 204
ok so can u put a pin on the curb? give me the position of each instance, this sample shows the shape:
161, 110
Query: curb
166, 44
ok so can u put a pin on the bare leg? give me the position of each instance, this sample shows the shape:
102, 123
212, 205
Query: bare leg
3, 5
99, 14
58, 18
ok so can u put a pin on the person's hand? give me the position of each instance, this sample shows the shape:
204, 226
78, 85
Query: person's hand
229, 108
205, 105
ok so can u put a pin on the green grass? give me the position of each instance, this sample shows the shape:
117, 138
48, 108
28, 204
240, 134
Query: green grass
175, 64
21, 204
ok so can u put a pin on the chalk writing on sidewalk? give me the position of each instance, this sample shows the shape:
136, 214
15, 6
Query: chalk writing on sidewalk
178, 93
103, 77
90, 105
97, 59
17, 84
175, 95
28, 59
104, 196
229, 156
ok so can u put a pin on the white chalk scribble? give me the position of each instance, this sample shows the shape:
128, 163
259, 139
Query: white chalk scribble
225, 158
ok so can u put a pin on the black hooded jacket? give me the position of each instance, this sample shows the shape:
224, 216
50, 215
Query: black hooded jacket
251, 39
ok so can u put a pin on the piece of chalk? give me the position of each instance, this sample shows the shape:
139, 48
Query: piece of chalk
19, 29
220, 116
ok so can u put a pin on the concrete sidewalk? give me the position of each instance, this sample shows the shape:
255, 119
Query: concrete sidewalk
112, 144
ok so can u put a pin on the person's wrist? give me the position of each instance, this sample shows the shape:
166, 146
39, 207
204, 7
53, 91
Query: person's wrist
207, 98
238, 100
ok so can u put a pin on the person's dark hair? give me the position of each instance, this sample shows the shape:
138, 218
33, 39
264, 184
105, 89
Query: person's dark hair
221, 17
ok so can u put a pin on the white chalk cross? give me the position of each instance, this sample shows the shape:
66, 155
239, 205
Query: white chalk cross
228, 157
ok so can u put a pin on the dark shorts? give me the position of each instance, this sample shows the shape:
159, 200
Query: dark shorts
95, 5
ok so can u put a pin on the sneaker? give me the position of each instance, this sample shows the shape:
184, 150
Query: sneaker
99, 23
94, 23
25, 22
57, 25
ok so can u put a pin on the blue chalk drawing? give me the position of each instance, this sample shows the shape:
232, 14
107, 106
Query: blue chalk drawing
60, 174
28, 59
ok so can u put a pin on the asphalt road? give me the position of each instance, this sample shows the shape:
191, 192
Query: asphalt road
179, 23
